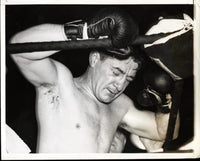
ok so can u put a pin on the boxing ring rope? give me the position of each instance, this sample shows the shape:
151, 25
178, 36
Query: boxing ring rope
58, 45
176, 103
76, 44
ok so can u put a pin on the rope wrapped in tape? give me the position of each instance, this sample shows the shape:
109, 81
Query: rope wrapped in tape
76, 44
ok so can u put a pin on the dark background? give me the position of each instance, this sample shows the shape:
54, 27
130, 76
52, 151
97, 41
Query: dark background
20, 94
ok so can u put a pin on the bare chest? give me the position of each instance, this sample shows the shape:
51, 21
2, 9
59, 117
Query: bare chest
74, 123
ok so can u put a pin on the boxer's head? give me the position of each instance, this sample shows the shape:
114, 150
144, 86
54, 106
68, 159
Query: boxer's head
109, 74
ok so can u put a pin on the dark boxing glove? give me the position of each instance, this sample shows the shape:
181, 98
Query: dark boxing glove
111, 22
157, 92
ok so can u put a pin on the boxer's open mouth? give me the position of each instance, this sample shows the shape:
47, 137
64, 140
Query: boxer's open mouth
113, 92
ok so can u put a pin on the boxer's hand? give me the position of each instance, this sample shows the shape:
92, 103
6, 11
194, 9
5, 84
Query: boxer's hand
110, 22
149, 97
118, 143
157, 93
166, 104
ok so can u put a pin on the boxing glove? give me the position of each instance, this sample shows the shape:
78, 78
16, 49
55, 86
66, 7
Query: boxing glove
159, 85
148, 97
110, 22
159, 81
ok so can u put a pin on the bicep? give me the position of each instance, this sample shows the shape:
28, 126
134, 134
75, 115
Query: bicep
140, 122
37, 72
36, 66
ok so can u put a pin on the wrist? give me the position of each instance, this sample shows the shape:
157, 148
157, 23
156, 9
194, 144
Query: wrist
166, 105
76, 30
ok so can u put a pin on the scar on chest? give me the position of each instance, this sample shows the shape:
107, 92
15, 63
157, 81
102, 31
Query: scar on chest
51, 92
48, 90
54, 99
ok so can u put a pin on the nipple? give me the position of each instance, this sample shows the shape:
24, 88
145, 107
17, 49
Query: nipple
78, 126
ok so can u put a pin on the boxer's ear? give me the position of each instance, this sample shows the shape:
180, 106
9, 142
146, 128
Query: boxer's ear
94, 58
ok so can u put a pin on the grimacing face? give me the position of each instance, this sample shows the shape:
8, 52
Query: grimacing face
111, 77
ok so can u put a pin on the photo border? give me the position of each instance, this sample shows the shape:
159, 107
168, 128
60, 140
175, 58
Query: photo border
196, 72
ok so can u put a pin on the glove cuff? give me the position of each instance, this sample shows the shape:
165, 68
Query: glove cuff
85, 32
163, 107
74, 30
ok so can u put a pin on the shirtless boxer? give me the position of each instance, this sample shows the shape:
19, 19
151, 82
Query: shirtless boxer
82, 114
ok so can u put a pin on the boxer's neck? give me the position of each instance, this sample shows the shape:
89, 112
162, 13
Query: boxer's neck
84, 83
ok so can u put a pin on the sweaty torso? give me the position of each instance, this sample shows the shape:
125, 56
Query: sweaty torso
69, 120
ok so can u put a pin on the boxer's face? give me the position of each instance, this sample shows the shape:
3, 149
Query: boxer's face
111, 77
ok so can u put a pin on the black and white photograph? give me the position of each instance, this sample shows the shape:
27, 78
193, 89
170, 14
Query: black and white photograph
84, 79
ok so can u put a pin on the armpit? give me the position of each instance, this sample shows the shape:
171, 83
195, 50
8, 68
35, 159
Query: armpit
50, 93
123, 125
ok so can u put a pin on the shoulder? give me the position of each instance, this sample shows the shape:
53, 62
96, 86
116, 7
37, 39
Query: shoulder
62, 70
124, 100
64, 75
124, 103
130, 109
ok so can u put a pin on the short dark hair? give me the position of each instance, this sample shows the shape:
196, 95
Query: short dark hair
123, 53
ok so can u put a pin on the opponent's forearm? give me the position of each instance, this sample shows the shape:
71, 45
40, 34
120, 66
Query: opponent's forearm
161, 120
146, 144
40, 33
152, 145
162, 126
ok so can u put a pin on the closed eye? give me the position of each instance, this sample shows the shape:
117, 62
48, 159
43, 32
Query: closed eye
129, 79
116, 73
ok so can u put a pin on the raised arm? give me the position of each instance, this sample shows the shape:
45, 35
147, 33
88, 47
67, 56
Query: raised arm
109, 22
36, 66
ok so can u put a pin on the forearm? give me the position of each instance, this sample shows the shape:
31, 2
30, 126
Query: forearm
155, 145
40, 33
152, 145
146, 144
161, 121
153, 126
161, 124
34, 65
